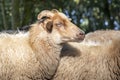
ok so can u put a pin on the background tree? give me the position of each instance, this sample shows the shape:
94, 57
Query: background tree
89, 15
3, 14
15, 14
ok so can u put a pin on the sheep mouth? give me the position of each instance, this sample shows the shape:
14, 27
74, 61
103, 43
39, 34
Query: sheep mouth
75, 39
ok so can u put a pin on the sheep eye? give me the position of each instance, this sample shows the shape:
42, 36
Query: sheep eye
59, 24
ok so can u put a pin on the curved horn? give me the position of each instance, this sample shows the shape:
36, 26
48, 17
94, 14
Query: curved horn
45, 13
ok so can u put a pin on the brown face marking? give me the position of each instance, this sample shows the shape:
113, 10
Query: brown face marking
66, 28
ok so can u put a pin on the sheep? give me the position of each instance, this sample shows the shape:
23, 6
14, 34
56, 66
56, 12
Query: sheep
35, 55
96, 58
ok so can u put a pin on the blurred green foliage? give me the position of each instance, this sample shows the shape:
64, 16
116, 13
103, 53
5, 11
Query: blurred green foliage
89, 15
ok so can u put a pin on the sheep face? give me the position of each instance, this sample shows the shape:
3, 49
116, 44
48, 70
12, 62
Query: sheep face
60, 28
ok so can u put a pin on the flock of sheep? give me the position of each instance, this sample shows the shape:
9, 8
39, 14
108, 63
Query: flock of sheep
56, 49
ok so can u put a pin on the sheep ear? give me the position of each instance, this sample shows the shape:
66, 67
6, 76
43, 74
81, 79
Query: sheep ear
49, 26
54, 11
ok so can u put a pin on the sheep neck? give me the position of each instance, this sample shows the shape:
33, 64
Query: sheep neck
46, 47
47, 54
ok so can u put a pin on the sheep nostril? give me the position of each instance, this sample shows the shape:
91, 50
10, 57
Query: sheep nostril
81, 35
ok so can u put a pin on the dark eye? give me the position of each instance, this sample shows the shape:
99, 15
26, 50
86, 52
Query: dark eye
59, 24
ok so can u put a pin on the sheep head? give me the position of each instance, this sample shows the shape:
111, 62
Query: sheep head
59, 27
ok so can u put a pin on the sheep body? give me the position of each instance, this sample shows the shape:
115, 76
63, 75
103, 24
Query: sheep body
19, 62
96, 58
